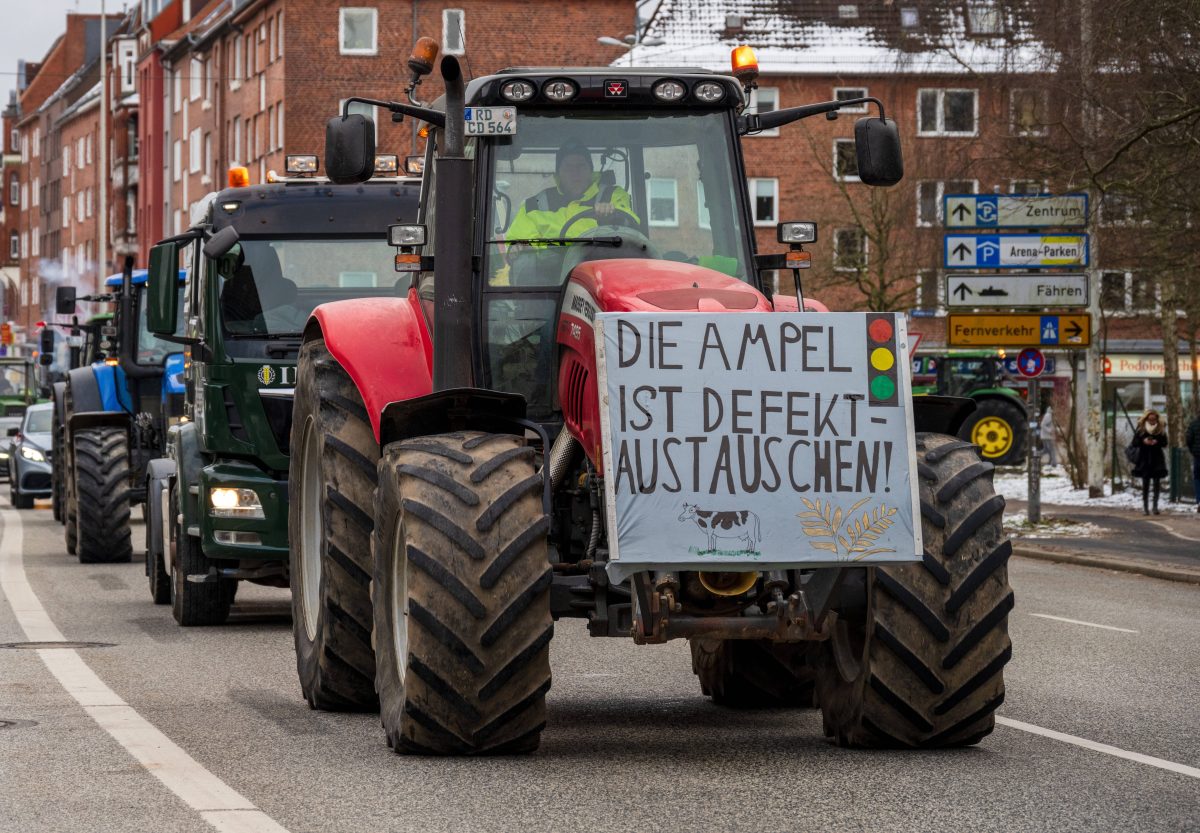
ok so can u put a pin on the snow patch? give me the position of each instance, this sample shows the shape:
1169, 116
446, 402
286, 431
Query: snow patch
1057, 490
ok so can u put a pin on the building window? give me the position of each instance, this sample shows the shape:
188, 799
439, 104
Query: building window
37, 142
206, 71
195, 79
89, 147
947, 112
237, 141
24, 195
271, 128
91, 202
363, 110
849, 93
664, 202
764, 201
703, 215
454, 32
279, 115
35, 192
194, 151
14, 140
984, 18
928, 292
1026, 186
1143, 293
845, 160
1117, 209
208, 159
14, 246
357, 33
1113, 292
764, 100
235, 78
80, 153
66, 209
177, 160
80, 207
176, 90
930, 201
910, 18
14, 190
271, 39
1027, 113
849, 249
130, 213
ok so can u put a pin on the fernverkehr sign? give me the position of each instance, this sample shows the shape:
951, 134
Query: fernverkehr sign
1040, 291
1014, 251
1018, 330
747, 440
1013, 211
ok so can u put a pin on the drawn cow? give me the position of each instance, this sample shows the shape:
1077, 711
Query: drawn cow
742, 525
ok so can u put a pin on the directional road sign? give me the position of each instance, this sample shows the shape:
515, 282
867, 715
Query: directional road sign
1013, 211
1039, 290
1019, 330
1031, 362
1015, 251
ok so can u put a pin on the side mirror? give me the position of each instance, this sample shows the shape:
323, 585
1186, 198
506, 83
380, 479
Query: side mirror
64, 300
12, 432
162, 288
221, 242
349, 149
877, 144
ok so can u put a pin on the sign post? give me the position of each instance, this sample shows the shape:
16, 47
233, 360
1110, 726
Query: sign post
1030, 364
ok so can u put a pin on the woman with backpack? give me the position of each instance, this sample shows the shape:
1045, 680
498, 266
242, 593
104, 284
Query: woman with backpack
1148, 453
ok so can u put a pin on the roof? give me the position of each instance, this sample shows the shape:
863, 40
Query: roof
816, 37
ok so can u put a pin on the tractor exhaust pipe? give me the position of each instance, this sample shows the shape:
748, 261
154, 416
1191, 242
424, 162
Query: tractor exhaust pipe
454, 347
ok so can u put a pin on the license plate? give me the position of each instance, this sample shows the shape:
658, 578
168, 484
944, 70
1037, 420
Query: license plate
491, 121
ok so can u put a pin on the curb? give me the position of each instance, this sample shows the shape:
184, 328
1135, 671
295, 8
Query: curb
1151, 569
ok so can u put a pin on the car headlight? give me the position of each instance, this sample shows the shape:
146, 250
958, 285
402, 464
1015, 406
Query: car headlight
3, 455
32, 454
225, 502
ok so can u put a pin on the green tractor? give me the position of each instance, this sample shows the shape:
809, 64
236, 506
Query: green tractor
18, 390
258, 259
999, 423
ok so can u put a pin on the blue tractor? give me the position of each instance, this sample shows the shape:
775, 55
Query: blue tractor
112, 419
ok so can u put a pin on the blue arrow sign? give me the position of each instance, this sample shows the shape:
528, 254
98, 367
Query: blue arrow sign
1015, 210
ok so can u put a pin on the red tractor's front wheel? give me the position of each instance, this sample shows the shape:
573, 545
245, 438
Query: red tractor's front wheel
461, 595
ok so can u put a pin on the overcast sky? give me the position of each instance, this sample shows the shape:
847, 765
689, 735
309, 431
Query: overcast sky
27, 30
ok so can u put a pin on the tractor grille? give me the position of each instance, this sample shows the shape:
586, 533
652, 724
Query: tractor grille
279, 417
573, 392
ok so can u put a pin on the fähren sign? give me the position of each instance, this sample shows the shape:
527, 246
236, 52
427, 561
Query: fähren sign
1007, 291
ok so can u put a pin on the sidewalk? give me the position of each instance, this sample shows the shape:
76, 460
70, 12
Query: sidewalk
1112, 535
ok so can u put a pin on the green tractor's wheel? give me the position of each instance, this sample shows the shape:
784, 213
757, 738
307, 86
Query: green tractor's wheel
101, 496
923, 665
333, 460
195, 603
754, 673
57, 481
461, 595
999, 429
156, 570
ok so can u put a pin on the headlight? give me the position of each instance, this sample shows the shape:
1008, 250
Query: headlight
32, 454
3, 455
234, 503
669, 91
559, 90
709, 92
517, 91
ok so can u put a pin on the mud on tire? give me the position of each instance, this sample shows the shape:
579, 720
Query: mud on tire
461, 595
754, 673
924, 667
101, 496
333, 472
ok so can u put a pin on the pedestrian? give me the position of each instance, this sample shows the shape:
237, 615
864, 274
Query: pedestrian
1150, 456
1193, 443
1049, 437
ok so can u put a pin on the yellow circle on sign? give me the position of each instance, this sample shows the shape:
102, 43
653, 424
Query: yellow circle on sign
882, 358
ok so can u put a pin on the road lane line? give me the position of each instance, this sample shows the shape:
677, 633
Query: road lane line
1080, 622
1172, 532
223, 807
1116, 752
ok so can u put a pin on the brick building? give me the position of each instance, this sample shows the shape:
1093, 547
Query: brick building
10, 204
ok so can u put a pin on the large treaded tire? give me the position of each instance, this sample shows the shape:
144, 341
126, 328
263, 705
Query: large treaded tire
156, 570
1006, 445
754, 673
924, 668
102, 496
331, 434
57, 485
460, 554
194, 604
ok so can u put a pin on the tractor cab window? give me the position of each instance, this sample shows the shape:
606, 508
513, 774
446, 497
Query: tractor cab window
962, 376
270, 287
571, 187
150, 348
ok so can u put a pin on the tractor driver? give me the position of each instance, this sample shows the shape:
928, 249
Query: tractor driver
577, 189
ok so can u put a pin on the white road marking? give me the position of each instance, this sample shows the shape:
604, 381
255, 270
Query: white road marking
223, 807
1170, 766
1170, 531
1079, 622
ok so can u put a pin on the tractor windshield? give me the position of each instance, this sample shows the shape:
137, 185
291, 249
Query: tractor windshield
277, 283
568, 185
150, 348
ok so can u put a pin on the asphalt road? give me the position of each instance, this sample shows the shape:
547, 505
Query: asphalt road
631, 744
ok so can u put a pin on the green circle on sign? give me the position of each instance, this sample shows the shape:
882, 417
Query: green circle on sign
882, 387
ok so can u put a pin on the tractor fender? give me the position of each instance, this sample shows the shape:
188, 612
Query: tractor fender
183, 447
58, 393
383, 345
456, 409
97, 419
158, 474
941, 414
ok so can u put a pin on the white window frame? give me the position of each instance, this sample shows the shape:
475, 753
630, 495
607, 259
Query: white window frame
752, 184
176, 90
866, 248
207, 172
701, 207
856, 108
194, 148
271, 128
35, 192
674, 221
195, 79
986, 7
941, 111
14, 245
460, 31
130, 212
939, 291
14, 140
14, 190
24, 196
939, 207
834, 169
1013, 129
177, 161
80, 207
91, 202
279, 115
754, 105
80, 153
235, 77
88, 148
37, 142
238, 158
1043, 186
374, 47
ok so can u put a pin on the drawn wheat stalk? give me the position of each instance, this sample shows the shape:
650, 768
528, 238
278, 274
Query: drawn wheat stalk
846, 535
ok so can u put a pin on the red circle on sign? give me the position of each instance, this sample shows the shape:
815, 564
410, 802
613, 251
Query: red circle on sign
880, 329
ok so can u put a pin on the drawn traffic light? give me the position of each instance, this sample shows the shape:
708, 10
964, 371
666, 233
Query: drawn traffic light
882, 382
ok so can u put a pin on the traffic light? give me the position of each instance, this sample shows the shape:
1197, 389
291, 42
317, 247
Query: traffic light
882, 382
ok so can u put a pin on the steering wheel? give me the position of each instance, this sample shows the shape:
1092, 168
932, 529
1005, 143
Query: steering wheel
616, 218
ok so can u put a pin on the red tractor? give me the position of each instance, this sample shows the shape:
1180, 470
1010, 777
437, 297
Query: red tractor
467, 467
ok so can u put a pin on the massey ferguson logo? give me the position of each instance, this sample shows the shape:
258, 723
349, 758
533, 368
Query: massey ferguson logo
615, 89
